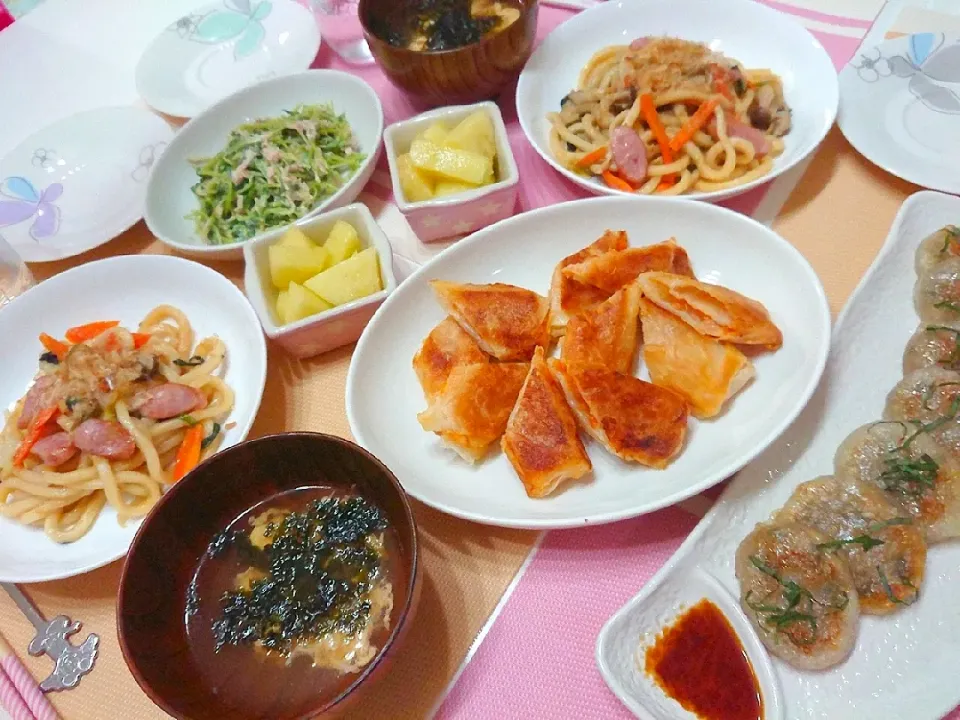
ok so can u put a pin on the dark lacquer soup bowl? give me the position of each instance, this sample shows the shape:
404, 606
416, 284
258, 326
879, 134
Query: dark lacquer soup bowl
273, 581
458, 73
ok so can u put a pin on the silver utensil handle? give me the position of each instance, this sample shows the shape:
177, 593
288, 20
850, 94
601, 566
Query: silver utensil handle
26, 607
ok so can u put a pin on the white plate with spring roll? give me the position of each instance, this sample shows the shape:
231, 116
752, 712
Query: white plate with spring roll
826, 555
120, 376
459, 383
772, 87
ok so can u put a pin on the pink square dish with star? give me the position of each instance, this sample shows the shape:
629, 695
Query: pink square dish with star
454, 215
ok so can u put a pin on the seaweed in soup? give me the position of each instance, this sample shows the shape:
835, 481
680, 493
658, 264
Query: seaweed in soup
313, 576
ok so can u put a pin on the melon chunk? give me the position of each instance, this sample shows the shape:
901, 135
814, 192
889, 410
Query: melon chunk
293, 263
301, 303
342, 242
354, 278
451, 164
474, 133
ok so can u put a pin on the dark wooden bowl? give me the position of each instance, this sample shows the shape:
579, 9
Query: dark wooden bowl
460, 76
169, 544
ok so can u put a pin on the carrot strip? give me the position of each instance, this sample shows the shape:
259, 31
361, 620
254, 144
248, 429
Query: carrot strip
38, 429
82, 333
60, 349
139, 340
617, 183
592, 157
649, 111
696, 121
188, 456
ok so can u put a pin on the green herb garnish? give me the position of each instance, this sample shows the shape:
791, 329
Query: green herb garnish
929, 393
188, 420
889, 590
797, 601
929, 427
947, 305
211, 437
950, 233
865, 541
954, 357
909, 476
192, 362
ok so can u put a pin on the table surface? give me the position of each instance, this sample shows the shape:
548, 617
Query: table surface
508, 619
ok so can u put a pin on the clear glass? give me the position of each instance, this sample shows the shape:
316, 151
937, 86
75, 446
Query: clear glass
340, 28
15, 277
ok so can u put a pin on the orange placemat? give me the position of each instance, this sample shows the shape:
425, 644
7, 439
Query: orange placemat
466, 566
839, 214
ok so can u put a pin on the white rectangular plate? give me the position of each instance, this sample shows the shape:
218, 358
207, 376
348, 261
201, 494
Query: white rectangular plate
904, 665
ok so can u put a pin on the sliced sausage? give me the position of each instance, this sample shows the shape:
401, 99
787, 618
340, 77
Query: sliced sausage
42, 394
735, 128
104, 438
629, 153
55, 449
167, 401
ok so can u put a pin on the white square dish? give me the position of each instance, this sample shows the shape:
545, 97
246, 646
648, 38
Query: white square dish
332, 328
460, 214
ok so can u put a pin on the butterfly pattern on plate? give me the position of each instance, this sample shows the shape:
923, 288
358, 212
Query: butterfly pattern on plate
20, 201
44, 158
145, 160
928, 63
240, 21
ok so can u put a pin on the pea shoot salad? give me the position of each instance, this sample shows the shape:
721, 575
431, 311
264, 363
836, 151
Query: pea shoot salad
273, 171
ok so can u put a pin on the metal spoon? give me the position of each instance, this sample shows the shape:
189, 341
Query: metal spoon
71, 662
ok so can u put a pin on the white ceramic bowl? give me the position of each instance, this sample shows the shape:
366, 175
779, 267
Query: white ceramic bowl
223, 46
333, 328
122, 288
169, 195
755, 35
445, 217
725, 248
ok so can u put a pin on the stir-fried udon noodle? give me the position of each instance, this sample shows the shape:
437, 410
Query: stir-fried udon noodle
112, 417
669, 116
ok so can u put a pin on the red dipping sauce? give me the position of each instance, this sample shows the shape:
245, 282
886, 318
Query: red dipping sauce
700, 663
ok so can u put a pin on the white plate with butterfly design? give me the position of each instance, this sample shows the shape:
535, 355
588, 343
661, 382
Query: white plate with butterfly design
222, 47
79, 182
900, 107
